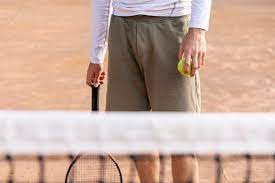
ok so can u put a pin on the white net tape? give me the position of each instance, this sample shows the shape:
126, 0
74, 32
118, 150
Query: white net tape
72, 132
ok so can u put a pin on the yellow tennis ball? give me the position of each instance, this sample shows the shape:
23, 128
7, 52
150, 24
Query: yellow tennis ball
181, 68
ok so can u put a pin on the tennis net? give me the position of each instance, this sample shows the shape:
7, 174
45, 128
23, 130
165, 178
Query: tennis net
110, 147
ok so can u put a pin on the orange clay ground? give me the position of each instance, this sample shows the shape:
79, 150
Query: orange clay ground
45, 47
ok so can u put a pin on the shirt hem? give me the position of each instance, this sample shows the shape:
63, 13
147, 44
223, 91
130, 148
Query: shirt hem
155, 13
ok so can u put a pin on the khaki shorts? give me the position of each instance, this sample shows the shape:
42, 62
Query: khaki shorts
142, 67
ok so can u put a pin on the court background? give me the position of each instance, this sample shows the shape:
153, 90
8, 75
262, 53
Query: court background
44, 50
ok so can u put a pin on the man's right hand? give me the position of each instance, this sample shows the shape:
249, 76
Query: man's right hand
95, 75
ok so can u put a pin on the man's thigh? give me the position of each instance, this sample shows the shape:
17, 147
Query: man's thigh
142, 69
126, 90
167, 89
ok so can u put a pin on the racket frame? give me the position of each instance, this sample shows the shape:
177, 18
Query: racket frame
94, 108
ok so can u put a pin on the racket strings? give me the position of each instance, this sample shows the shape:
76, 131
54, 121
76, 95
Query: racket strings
94, 169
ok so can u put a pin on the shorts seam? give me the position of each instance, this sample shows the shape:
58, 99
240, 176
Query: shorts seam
197, 108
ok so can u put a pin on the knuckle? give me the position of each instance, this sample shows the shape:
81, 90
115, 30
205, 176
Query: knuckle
195, 52
187, 55
187, 50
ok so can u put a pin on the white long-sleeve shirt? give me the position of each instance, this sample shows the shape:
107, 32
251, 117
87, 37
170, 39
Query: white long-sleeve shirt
102, 9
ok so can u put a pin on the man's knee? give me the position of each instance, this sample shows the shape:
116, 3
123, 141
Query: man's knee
147, 167
184, 168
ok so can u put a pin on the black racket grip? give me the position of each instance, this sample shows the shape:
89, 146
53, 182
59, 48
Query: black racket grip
95, 98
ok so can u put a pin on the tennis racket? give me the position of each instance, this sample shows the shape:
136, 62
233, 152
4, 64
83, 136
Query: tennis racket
92, 168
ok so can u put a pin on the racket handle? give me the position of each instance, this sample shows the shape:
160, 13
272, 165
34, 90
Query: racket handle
95, 98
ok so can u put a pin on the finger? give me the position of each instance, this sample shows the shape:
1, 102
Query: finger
187, 57
200, 59
203, 58
180, 54
88, 82
194, 64
101, 78
93, 80
96, 79
102, 75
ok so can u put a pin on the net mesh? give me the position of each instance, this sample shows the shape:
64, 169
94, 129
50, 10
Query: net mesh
41, 146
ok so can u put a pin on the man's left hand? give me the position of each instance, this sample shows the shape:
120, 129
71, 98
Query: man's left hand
193, 47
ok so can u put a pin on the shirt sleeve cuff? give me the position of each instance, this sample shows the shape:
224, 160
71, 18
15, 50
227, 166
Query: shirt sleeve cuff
199, 25
98, 55
200, 14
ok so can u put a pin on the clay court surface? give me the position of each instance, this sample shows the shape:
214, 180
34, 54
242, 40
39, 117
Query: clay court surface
44, 49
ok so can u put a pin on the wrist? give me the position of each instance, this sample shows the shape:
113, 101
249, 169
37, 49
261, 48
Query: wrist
196, 31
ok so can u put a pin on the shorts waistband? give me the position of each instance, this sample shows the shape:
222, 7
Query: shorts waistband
148, 18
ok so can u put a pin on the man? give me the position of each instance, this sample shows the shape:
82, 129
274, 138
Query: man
146, 40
